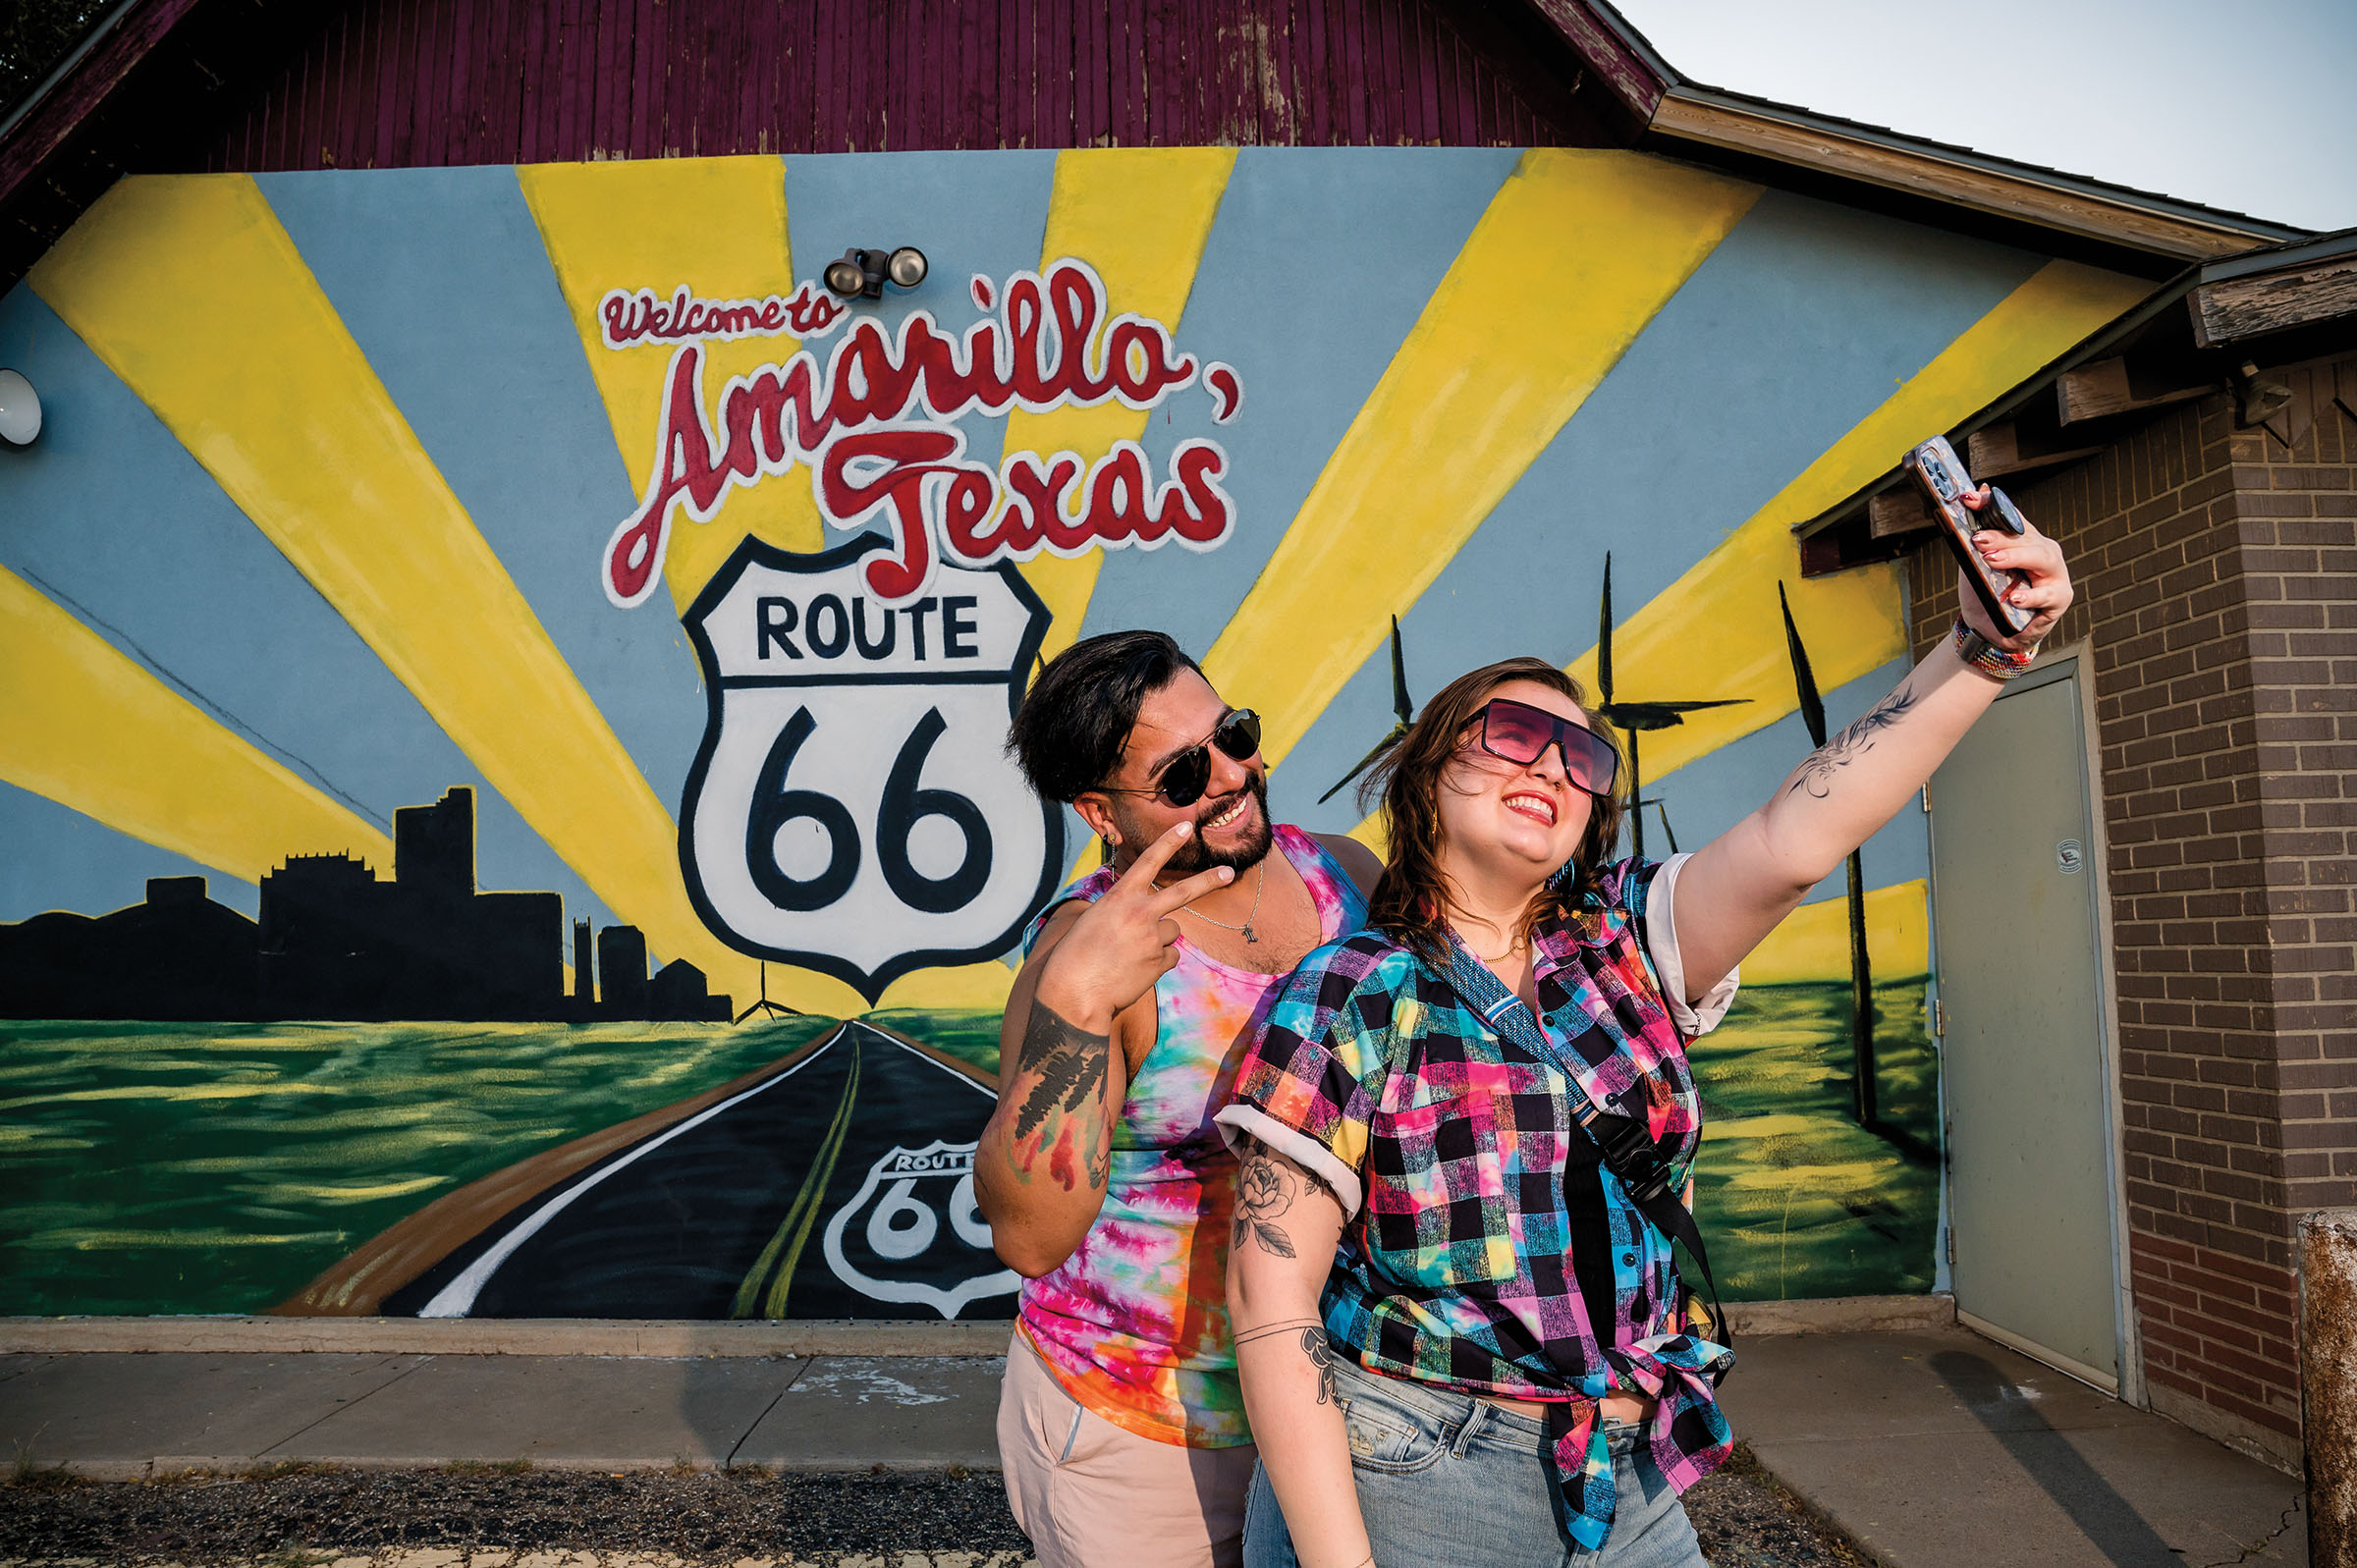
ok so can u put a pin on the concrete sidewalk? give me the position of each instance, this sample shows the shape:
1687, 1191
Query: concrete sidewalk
1929, 1448
128, 1416
1940, 1447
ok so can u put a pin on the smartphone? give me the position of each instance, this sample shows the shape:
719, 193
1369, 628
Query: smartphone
1937, 467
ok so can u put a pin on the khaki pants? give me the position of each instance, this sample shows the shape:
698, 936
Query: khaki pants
1091, 1495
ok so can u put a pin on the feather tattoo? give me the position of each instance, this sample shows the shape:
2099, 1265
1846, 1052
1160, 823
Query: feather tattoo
1815, 774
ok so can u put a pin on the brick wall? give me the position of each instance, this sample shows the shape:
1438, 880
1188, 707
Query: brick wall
2217, 575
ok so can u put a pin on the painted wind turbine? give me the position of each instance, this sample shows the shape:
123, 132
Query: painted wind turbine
1631, 718
1403, 710
766, 1007
1663, 812
1861, 977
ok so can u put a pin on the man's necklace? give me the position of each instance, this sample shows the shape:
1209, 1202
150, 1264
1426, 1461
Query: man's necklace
1258, 887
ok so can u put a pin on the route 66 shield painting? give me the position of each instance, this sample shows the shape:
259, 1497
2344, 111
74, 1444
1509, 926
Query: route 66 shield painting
913, 1222
851, 809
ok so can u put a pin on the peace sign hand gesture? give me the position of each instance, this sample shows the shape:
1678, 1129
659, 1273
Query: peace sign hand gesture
1121, 945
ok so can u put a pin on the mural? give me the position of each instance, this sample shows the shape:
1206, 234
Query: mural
503, 803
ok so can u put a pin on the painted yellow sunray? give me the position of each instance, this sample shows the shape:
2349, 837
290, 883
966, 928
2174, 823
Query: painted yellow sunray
716, 226
1492, 370
1715, 631
1812, 943
191, 291
1141, 217
91, 729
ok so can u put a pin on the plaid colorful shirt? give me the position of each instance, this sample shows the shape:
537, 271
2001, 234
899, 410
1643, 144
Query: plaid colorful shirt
1486, 1249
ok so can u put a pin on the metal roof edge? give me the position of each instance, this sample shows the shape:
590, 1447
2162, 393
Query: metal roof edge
2141, 220
23, 109
48, 116
1611, 20
2332, 246
1616, 53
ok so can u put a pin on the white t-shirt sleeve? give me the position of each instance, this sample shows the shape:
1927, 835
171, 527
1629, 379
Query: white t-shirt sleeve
1237, 1121
1661, 932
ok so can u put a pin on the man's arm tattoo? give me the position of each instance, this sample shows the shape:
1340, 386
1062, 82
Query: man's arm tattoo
1815, 774
1062, 1115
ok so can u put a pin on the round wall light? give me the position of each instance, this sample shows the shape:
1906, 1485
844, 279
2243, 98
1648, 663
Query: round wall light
845, 277
861, 274
20, 410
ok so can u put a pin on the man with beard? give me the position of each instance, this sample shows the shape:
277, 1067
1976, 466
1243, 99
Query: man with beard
1122, 1424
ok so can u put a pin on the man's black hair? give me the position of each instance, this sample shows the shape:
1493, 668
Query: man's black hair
1067, 736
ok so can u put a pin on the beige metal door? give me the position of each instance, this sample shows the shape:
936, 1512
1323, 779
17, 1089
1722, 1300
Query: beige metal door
2027, 1086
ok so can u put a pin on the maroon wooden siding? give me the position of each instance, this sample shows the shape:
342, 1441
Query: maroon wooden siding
387, 83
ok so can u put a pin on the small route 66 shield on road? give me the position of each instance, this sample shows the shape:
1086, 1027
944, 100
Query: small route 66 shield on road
851, 809
911, 1223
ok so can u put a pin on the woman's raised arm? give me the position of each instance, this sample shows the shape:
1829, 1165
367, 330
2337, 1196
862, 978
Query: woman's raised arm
1738, 886
1287, 1223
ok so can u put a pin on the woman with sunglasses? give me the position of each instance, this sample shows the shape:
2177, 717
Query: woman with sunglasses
1463, 1131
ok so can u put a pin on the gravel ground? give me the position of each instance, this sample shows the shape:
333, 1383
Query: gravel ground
303, 1515
1746, 1519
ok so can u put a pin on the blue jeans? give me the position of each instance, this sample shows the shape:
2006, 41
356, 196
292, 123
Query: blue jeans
1447, 1481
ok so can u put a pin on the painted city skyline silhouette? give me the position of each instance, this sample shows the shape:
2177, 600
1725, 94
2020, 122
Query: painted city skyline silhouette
337, 942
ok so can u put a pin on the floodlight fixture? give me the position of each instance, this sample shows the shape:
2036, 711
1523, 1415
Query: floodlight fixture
20, 410
861, 274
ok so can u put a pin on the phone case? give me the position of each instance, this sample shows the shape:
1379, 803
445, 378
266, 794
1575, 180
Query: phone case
1941, 474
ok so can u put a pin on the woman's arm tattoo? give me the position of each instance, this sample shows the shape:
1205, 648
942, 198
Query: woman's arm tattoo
1264, 1330
1061, 1117
1313, 1345
1265, 1188
1815, 774
1321, 1356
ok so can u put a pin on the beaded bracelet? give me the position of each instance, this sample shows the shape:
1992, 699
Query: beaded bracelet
1996, 663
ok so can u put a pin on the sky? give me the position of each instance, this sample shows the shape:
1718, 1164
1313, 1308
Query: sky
2250, 106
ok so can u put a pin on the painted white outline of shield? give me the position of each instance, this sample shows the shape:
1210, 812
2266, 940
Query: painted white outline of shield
948, 1303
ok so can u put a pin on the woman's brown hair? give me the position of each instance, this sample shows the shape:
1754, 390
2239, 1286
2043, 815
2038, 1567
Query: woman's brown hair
1411, 901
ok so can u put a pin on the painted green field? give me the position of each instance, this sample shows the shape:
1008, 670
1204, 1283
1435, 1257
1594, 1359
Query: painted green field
962, 1032
218, 1169
1796, 1199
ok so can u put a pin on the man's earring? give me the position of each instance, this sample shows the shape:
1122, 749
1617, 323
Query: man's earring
1105, 843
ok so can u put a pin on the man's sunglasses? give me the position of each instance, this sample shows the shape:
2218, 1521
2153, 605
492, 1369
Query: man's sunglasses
1521, 734
1186, 777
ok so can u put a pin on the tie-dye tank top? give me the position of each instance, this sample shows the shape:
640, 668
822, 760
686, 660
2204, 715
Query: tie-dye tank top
1134, 1324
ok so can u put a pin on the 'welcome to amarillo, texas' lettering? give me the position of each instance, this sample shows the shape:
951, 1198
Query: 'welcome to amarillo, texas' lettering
871, 428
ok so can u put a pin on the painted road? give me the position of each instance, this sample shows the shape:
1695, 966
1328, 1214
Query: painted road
838, 1187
